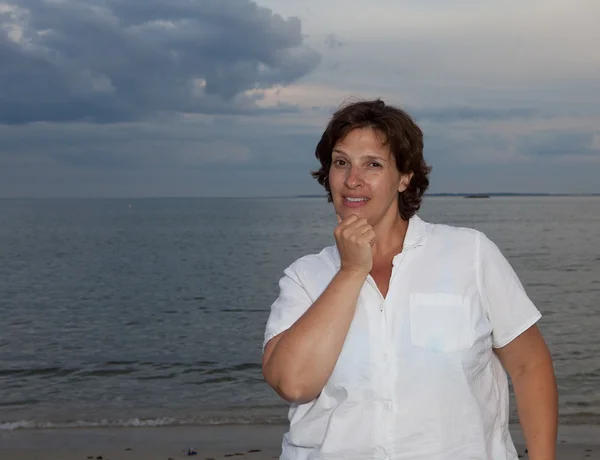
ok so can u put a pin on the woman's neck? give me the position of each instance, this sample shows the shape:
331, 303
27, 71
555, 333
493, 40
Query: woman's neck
389, 237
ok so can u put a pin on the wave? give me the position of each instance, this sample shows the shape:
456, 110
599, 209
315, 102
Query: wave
109, 368
140, 422
135, 422
582, 418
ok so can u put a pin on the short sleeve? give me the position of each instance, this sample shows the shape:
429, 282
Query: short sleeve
290, 305
510, 310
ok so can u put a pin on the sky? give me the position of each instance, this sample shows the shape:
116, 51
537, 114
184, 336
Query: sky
148, 98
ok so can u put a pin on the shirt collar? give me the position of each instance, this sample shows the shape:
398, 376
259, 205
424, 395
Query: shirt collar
415, 236
415, 233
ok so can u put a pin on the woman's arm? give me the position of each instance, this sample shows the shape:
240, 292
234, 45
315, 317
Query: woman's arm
529, 364
298, 362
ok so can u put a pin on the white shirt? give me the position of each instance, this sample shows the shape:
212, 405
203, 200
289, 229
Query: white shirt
416, 378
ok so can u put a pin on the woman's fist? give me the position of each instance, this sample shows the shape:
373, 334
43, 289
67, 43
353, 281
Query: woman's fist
354, 238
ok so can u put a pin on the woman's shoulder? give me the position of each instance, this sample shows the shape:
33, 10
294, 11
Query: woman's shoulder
457, 240
446, 233
316, 264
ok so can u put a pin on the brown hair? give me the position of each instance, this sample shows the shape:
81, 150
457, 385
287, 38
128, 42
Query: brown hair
400, 133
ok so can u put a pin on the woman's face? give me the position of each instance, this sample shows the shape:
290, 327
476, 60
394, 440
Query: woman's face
363, 177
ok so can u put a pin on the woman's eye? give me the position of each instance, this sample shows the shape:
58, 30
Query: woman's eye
339, 162
376, 165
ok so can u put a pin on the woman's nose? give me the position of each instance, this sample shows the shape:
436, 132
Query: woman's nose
353, 179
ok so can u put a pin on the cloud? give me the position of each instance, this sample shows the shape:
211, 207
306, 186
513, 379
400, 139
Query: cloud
451, 114
133, 59
461, 53
200, 142
513, 142
332, 41
561, 144
203, 155
213, 97
248, 156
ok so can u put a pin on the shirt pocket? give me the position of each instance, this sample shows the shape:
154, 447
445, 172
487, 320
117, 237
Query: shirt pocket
440, 322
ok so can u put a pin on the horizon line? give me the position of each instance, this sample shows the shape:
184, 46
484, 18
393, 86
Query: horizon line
436, 194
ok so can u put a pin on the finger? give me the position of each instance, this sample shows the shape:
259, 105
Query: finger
370, 235
353, 222
363, 234
349, 220
354, 229
366, 233
364, 229
360, 223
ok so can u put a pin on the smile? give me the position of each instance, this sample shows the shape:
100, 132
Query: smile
355, 202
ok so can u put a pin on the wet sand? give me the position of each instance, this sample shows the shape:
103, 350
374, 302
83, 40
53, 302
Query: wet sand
251, 442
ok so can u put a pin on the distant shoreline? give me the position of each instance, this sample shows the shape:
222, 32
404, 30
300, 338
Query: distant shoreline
449, 195
460, 195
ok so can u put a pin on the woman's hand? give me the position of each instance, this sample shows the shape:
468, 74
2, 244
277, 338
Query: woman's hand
354, 238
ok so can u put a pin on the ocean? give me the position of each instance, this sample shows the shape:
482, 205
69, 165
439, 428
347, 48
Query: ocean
151, 312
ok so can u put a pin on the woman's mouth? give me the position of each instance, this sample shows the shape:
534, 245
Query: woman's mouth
355, 202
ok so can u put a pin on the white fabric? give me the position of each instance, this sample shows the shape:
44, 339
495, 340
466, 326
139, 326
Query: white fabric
417, 378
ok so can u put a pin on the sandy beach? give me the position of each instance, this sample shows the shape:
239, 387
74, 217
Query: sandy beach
250, 442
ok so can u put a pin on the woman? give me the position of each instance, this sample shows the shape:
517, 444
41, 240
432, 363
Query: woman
394, 342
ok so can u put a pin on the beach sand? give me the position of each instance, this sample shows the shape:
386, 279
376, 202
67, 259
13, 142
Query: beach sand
251, 442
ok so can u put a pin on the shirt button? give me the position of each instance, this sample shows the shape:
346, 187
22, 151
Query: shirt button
388, 406
385, 356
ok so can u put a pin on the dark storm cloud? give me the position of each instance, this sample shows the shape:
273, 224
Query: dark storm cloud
116, 60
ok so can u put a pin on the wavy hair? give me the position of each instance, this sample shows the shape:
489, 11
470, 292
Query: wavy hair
399, 132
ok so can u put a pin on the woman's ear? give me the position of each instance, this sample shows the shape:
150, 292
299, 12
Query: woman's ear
404, 181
